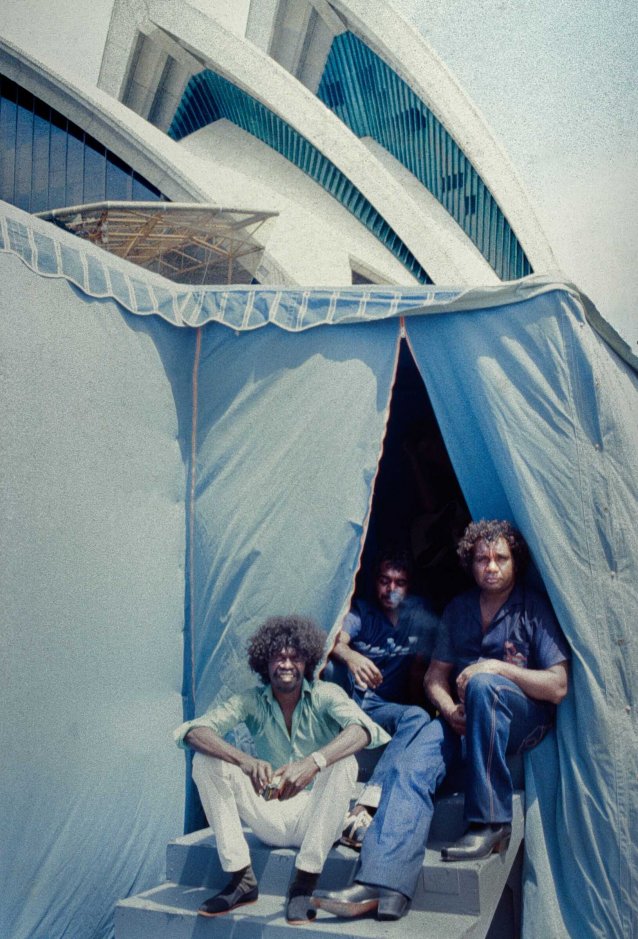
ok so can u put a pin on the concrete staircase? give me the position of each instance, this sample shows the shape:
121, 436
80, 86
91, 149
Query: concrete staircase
469, 899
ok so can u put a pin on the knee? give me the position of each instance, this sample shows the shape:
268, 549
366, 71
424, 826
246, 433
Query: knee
481, 688
345, 771
414, 717
205, 767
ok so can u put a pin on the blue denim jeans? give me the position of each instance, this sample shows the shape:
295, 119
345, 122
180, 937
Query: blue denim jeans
403, 721
501, 719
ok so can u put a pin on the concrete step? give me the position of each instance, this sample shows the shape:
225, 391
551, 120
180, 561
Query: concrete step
461, 888
452, 900
192, 859
170, 912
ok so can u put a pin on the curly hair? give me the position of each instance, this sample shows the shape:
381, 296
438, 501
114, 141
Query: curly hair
396, 557
491, 531
286, 632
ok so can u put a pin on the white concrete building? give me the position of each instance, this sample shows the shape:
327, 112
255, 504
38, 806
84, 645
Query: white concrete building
331, 124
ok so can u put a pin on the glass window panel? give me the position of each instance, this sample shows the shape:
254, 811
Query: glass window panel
8, 118
74, 166
40, 162
94, 171
119, 183
143, 191
57, 164
24, 152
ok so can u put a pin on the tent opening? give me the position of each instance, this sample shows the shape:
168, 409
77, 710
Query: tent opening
417, 502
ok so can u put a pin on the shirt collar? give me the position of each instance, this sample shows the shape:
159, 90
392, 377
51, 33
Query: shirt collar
516, 598
266, 691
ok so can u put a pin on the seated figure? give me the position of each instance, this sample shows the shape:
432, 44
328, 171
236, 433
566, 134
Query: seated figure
296, 790
499, 668
385, 647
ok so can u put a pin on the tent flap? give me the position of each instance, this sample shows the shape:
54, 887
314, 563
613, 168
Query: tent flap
537, 417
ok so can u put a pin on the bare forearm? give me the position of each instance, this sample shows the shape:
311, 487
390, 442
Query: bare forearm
352, 738
548, 684
362, 669
439, 693
294, 777
208, 742
341, 652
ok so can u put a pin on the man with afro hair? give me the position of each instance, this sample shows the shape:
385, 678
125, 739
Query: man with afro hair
295, 791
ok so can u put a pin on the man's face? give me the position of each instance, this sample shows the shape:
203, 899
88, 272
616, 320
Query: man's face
392, 587
286, 670
493, 566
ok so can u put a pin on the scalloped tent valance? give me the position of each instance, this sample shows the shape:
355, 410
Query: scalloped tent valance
53, 253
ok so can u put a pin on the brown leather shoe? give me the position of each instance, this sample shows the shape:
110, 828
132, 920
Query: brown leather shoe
359, 899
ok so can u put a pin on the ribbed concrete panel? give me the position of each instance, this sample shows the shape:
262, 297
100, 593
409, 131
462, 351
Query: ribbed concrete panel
210, 97
374, 101
258, 76
406, 51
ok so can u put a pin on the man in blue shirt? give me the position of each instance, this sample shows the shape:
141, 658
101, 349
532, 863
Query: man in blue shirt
385, 647
498, 671
305, 733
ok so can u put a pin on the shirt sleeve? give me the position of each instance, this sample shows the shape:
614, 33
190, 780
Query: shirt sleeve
220, 718
550, 645
351, 623
335, 702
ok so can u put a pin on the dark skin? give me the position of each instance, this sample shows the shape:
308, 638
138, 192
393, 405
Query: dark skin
495, 575
363, 670
286, 671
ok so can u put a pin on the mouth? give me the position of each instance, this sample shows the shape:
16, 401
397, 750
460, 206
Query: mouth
286, 674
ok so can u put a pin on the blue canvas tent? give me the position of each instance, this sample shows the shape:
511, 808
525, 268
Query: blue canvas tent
179, 463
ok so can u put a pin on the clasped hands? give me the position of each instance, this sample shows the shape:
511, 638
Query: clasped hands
291, 779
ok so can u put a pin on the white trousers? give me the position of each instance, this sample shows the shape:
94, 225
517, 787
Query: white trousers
311, 821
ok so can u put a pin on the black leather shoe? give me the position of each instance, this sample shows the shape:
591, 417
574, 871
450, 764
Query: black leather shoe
360, 899
239, 891
299, 907
478, 842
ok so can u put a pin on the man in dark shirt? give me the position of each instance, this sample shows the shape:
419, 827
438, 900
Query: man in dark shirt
498, 671
386, 647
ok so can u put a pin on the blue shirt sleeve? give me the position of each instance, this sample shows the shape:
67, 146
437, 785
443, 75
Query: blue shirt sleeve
352, 623
550, 645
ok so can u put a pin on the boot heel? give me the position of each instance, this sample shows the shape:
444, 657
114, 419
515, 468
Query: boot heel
502, 845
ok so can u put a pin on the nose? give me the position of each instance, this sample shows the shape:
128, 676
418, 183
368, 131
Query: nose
492, 565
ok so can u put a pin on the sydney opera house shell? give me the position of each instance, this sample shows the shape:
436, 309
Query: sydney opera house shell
325, 143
